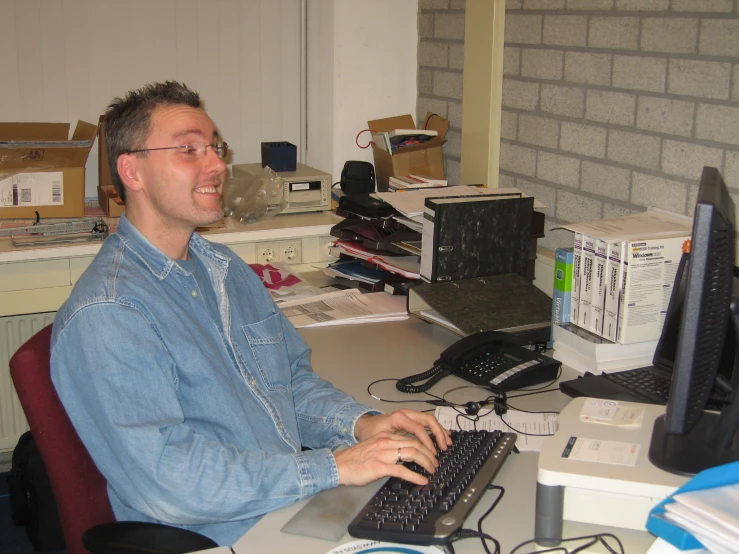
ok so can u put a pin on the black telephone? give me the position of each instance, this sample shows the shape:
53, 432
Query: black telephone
491, 359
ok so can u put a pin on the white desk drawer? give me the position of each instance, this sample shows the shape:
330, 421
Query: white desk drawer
35, 274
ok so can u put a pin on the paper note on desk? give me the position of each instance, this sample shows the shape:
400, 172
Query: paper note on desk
611, 412
344, 307
379, 547
539, 425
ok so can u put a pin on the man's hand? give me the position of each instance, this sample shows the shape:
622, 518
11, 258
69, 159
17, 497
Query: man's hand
386, 439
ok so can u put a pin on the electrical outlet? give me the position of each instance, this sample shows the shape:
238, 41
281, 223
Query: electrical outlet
291, 251
268, 252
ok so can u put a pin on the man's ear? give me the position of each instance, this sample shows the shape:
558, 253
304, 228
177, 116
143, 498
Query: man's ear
127, 166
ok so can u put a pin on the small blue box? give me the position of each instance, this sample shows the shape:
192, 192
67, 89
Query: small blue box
280, 156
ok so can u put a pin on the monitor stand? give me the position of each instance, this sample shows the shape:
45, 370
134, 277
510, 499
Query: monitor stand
594, 491
688, 454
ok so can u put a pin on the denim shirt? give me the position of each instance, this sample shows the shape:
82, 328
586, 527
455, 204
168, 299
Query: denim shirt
193, 422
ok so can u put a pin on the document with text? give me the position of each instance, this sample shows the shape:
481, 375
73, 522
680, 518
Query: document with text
344, 307
531, 429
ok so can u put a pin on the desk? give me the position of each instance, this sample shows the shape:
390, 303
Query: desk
351, 357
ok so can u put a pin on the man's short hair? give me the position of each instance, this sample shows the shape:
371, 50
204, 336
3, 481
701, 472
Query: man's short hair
128, 119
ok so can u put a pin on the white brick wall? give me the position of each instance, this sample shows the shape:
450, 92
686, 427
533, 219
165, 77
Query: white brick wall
609, 106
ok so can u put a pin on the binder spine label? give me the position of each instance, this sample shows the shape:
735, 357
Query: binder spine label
614, 272
597, 298
586, 281
576, 276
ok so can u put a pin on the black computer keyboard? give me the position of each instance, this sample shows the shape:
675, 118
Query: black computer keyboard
407, 513
645, 381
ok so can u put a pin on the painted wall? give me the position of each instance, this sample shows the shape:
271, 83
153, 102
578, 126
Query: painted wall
65, 60
361, 66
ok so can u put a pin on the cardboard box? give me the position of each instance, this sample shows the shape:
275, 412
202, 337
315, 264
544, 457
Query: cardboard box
422, 159
43, 170
108, 198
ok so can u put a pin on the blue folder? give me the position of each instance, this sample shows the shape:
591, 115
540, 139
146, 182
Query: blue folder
727, 474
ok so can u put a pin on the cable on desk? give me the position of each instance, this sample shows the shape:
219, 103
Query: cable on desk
469, 533
592, 539
438, 400
473, 412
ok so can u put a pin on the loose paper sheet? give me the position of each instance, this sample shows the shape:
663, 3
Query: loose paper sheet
534, 424
611, 412
344, 307
603, 452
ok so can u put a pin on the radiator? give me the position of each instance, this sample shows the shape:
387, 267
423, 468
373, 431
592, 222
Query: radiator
14, 331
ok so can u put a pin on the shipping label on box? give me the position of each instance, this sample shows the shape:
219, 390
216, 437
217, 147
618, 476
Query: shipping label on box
32, 189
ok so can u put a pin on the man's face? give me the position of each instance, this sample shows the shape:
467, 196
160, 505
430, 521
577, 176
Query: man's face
183, 190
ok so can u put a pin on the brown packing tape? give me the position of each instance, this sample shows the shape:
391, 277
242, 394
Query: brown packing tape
30, 147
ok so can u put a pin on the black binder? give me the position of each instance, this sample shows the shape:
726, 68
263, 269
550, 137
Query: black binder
506, 302
474, 236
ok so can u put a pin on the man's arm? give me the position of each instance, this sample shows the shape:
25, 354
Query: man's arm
326, 415
118, 384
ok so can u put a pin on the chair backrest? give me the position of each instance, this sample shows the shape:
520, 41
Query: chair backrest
79, 488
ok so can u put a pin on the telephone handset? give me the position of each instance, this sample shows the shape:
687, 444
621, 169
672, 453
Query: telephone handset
492, 359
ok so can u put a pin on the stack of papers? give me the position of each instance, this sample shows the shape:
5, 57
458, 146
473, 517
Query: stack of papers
344, 307
407, 266
411, 204
710, 515
356, 271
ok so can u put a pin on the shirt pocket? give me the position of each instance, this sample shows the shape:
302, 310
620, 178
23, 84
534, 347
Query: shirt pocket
267, 343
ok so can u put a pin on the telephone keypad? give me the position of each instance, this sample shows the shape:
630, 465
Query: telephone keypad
494, 369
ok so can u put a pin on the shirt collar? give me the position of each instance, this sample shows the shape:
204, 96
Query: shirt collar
159, 263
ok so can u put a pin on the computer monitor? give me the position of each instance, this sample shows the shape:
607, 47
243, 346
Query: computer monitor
688, 439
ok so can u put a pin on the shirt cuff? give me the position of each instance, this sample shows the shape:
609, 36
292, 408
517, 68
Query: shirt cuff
317, 470
346, 418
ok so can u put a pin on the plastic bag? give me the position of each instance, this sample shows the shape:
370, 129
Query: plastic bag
249, 200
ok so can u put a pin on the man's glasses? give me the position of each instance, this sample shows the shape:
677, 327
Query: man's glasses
194, 149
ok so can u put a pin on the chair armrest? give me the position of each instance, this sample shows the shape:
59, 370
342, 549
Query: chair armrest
137, 537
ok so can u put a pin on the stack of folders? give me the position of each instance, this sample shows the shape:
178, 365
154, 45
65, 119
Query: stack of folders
377, 247
703, 513
623, 270
584, 351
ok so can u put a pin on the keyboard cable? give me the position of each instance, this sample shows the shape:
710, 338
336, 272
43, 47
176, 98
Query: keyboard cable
592, 539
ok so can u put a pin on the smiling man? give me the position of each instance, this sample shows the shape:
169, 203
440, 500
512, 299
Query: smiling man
192, 392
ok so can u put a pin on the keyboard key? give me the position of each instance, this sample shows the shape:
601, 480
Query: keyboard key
409, 511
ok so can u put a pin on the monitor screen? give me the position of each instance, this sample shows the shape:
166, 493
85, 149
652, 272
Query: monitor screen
683, 440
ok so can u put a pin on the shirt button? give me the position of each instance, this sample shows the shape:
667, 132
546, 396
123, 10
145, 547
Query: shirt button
279, 426
194, 293
252, 382
345, 430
